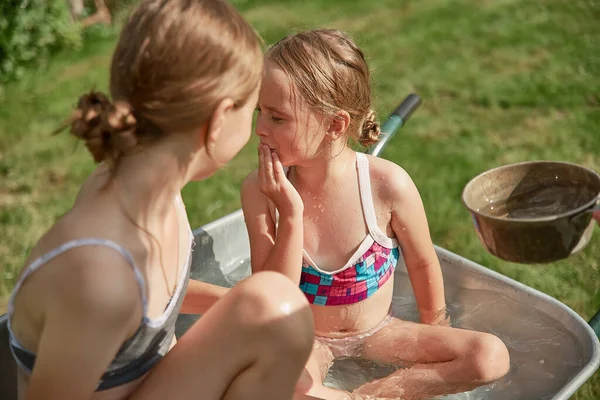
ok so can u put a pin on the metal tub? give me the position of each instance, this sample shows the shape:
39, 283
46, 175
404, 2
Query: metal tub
553, 350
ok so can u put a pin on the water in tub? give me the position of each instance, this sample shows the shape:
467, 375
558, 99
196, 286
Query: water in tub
544, 354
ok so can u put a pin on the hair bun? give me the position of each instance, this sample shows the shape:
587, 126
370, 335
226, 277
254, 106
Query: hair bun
107, 129
370, 130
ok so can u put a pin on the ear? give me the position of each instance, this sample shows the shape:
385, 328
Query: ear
338, 124
216, 123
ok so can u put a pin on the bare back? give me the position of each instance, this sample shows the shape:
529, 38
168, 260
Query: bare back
97, 213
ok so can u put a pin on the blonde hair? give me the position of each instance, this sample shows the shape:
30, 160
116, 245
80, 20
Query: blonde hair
174, 62
331, 74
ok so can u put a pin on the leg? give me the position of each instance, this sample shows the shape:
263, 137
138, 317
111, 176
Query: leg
315, 372
252, 344
441, 359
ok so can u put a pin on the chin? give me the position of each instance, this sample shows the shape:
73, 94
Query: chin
287, 163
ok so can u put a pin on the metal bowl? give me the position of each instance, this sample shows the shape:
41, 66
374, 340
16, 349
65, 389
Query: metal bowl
534, 212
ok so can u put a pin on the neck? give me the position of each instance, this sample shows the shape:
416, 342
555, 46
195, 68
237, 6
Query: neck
148, 181
326, 169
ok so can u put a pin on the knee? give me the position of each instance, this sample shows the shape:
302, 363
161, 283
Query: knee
489, 358
273, 311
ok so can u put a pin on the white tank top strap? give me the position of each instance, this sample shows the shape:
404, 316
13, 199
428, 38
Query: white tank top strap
366, 197
63, 248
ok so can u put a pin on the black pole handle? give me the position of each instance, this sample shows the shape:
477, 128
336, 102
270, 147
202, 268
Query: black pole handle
408, 106
395, 121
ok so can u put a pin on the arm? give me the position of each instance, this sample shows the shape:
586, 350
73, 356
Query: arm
89, 313
409, 223
200, 296
279, 251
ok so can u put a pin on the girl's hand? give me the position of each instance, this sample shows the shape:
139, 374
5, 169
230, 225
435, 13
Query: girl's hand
275, 185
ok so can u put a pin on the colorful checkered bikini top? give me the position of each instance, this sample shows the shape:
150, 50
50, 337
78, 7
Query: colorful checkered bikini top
367, 269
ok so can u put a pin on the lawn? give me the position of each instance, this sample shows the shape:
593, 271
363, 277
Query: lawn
502, 81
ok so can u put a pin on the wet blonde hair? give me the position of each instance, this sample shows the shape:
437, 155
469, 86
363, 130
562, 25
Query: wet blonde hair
331, 74
174, 62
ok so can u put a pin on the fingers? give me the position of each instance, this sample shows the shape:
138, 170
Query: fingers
268, 164
261, 164
279, 173
274, 183
265, 169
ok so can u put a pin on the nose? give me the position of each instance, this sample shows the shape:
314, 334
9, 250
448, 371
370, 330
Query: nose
260, 128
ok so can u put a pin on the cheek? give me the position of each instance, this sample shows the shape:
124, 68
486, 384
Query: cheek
285, 139
307, 142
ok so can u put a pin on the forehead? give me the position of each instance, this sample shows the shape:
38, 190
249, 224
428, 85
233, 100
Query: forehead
276, 87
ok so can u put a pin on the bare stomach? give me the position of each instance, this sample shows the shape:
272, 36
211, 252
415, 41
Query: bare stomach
358, 317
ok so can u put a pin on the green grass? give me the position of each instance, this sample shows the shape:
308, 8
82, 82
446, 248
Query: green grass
501, 81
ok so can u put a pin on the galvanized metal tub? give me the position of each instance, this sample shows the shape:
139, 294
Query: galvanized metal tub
553, 350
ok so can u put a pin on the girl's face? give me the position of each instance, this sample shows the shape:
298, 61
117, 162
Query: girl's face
235, 132
284, 122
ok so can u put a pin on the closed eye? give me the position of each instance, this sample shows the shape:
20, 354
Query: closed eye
272, 117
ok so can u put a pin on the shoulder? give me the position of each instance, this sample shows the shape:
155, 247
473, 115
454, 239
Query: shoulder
256, 206
251, 193
390, 181
251, 182
92, 282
